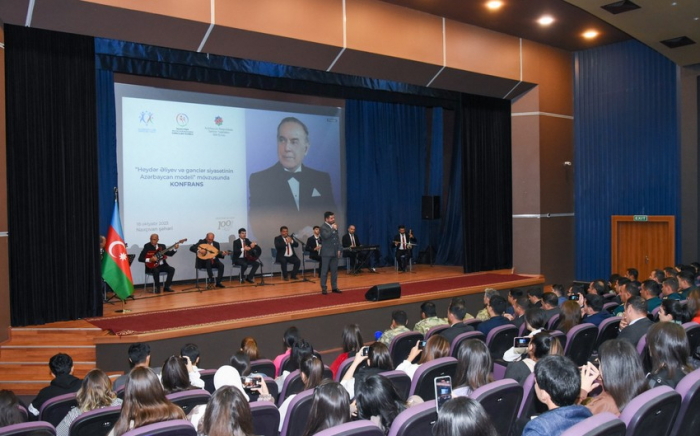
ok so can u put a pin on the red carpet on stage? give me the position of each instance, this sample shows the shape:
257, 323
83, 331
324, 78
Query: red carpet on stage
207, 315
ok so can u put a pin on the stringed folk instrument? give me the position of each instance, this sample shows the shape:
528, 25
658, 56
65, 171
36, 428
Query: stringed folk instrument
211, 252
159, 255
253, 254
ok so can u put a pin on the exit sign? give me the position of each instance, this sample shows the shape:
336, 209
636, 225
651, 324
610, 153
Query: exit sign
641, 218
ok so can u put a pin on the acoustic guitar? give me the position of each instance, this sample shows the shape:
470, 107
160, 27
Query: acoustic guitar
159, 255
211, 252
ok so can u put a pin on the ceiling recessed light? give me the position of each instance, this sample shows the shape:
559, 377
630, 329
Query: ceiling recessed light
590, 34
494, 5
545, 20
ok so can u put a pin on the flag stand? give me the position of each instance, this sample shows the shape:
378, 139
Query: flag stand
123, 309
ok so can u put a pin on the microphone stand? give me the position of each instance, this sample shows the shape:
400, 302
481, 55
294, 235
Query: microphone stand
303, 261
262, 275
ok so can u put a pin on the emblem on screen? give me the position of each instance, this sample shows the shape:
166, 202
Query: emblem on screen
146, 118
218, 121
182, 119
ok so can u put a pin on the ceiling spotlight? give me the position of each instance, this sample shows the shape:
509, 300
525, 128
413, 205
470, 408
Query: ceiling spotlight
590, 34
545, 20
494, 5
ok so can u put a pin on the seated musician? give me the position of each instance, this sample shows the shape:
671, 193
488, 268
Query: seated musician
208, 255
244, 254
313, 246
404, 247
284, 244
357, 258
156, 265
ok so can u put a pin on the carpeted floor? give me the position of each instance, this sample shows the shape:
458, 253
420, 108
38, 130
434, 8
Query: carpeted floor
207, 315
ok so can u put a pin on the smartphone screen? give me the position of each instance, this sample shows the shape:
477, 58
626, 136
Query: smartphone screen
521, 342
573, 297
443, 391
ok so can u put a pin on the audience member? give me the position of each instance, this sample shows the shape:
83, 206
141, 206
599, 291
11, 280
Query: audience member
632, 274
612, 282
513, 295
619, 289
428, 318
520, 306
376, 399
535, 296
95, 393
669, 351
535, 319
634, 323
560, 293
483, 314
241, 362
399, 320
456, 313
693, 306
435, 347
569, 317
650, 291
462, 416
550, 304
139, 355
657, 275
330, 407
593, 310
61, 366
250, 347
300, 351
352, 342
686, 283
541, 345
311, 370
227, 413
557, 385
673, 311
190, 352
670, 271
669, 289
496, 308
175, 375
473, 367
627, 291
291, 335
620, 373
378, 360
597, 287
144, 402
9, 409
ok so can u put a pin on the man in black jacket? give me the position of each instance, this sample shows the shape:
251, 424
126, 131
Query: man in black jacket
63, 382
207, 259
159, 265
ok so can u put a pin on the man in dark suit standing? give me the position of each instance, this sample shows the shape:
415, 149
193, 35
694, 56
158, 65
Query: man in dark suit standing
404, 245
455, 315
289, 189
161, 265
241, 246
313, 247
330, 252
284, 244
635, 323
202, 248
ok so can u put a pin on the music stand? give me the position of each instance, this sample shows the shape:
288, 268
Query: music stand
303, 262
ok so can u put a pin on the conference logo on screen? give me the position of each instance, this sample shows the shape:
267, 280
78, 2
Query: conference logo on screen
146, 122
182, 120
218, 128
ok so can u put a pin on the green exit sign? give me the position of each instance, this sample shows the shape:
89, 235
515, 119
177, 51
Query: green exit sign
641, 218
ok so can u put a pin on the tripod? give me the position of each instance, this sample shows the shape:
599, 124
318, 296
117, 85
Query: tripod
303, 262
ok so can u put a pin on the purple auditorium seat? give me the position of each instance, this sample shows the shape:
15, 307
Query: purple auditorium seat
602, 424
692, 330
500, 339
343, 368
401, 346
580, 342
27, 428
297, 414
652, 412
98, 422
207, 376
55, 409
176, 427
688, 419
501, 399
527, 403
187, 400
263, 366
553, 321
415, 421
435, 330
290, 386
266, 418
362, 427
608, 329
400, 380
422, 384
454, 347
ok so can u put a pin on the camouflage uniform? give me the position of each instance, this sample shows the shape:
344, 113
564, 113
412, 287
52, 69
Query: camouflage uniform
483, 315
426, 324
390, 334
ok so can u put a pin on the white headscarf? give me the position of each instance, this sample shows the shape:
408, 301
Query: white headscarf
229, 376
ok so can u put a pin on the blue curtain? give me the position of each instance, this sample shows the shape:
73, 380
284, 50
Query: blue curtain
626, 146
385, 155
107, 145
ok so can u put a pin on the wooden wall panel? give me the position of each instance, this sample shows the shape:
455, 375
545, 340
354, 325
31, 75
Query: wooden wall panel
552, 70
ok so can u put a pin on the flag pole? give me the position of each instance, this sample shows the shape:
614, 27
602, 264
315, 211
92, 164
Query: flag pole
123, 309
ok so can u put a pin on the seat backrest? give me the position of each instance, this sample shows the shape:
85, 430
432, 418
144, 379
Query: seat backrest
641, 345
263, 366
400, 380
610, 306
608, 329
601, 424
500, 339
207, 376
401, 345
688, 419
554, 320
652, 412
436, 330
501, 399
283, 363
580, 342
292, 385
55, 409
422, 384
692, 330
187, 400
343, 368
297, 414
175, 427
561, 337
266, 418
98, 422
27, 428
528, 400
521, 329
362, 427
472, 322
272, 387
415, 421
462, 337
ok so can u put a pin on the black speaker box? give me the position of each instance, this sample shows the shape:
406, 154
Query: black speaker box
430, 207
388, 291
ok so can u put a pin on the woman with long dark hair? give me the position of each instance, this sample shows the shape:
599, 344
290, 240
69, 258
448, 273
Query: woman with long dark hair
541, 345
227, 414
9, 409
352, 343
473, 367
330, 407
94, 393
376, 399
144, 402
175, 375
378, 360
311, 374
463, 416
291, 336
669, 351
569, 317
535, 320
435, 347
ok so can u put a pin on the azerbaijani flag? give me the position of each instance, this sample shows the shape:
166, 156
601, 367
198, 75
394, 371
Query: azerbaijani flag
115, 263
